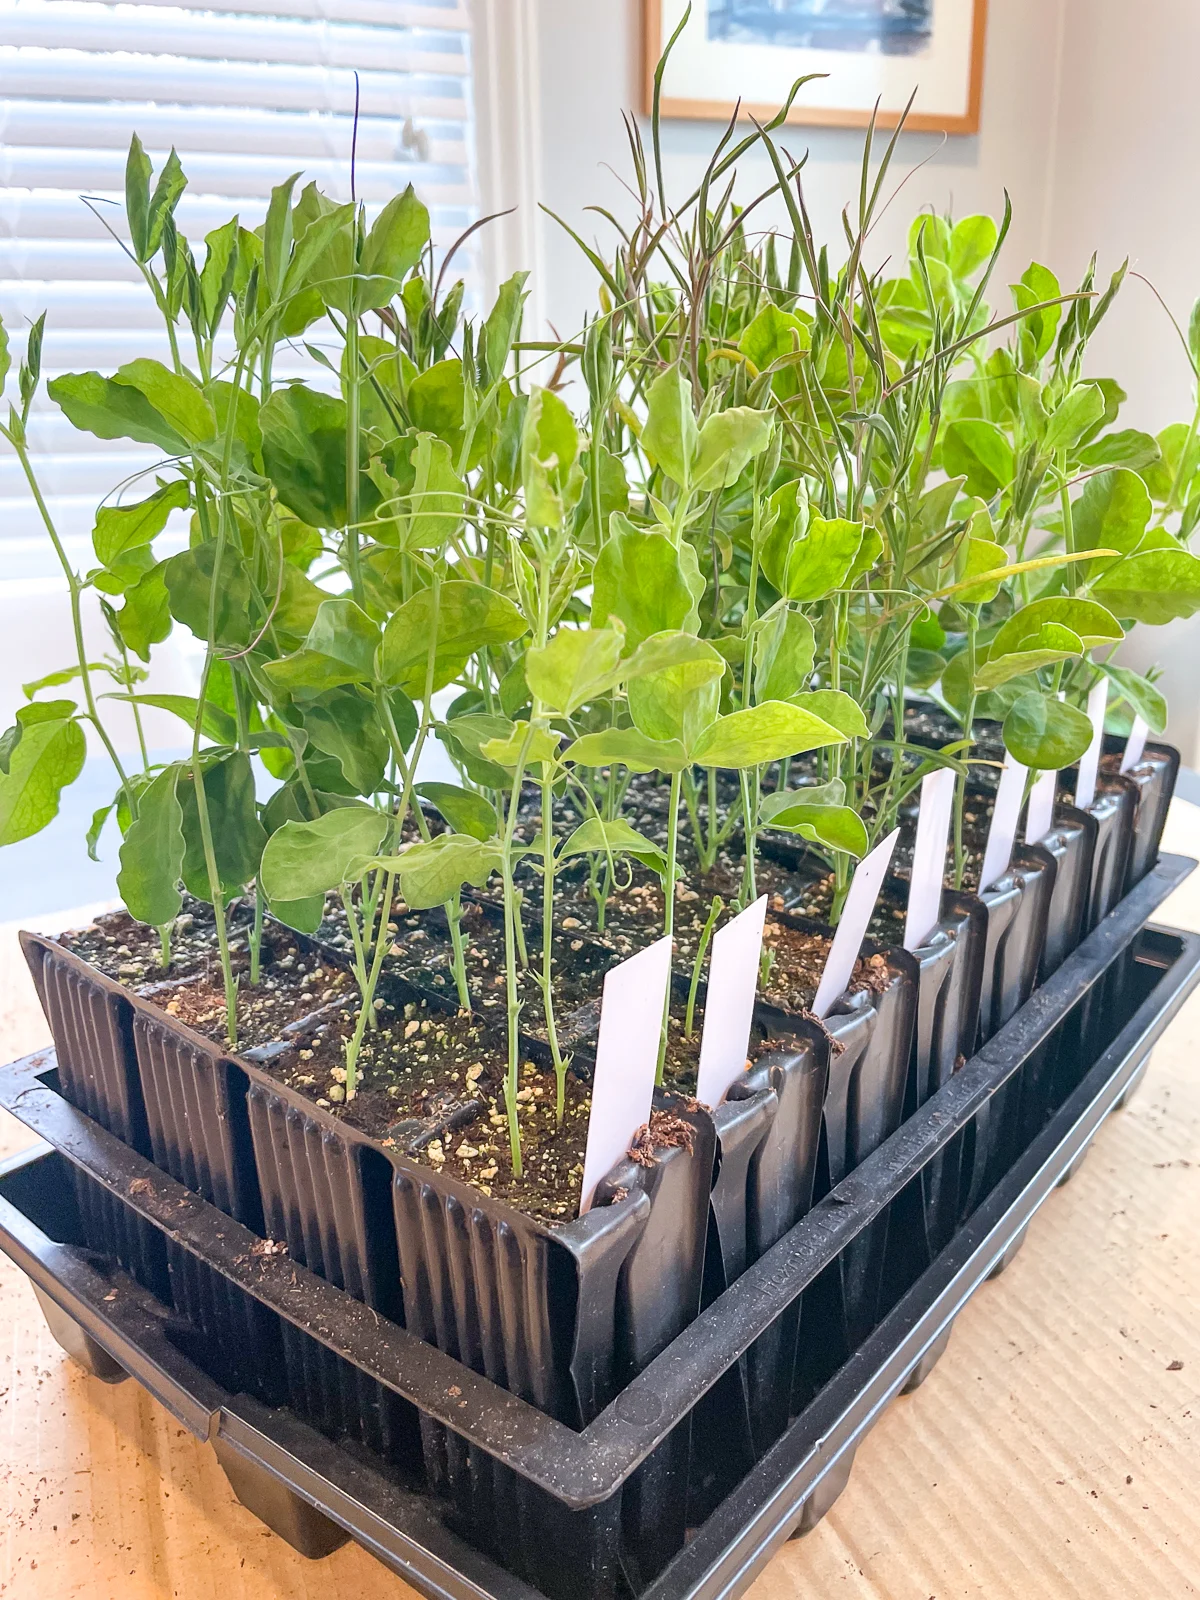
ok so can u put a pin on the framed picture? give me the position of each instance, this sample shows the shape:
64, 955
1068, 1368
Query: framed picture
754, 50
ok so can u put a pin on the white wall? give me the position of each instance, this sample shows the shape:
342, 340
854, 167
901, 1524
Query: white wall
1125, 182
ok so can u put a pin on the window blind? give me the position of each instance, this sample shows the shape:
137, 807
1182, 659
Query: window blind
248, 92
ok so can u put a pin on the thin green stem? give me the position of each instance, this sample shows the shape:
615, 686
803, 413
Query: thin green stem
75, 589
718, 905
669, 908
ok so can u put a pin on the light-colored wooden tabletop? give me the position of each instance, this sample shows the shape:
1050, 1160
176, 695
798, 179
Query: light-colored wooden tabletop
1053, 1454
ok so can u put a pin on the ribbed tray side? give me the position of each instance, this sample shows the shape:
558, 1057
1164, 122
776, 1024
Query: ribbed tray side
91, 1025
195, 1106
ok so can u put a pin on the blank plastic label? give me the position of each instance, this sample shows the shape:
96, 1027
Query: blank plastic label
729, 1003
1039, 817
852, 929
1003, 830
1089, 762
631, 1017
929, 857
1135, 746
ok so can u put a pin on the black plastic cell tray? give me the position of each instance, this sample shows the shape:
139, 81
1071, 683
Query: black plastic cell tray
282, 1467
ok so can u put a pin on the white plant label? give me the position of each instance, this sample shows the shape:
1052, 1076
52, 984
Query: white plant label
631, 1017
1089, 762
1003, 831
729, 1003
1039, 818
929, 857
856, 913
1135, 745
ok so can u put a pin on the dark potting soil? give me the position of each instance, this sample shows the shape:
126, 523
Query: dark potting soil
798, 959
293, 983
423, 954
681, 1065
431, 1086
130, 952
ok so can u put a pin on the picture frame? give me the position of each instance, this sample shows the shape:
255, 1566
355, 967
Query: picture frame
752, 51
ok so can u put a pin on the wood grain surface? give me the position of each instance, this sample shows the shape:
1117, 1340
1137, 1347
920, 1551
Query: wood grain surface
1053, 1454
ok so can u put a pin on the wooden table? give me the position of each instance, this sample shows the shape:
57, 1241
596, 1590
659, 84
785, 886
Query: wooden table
1054, 1453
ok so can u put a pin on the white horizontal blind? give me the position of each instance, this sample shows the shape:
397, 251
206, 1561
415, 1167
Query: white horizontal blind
248, 92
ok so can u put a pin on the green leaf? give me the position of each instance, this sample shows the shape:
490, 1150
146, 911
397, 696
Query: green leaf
113, 411
673, 649
171, 184
1037, 284
1112, 513
1154, 586
839, 710
549, 452
189, 579
808, 565
1140, 694
305, 916
47, 754
670, 436
924, 668
436, 401
980, 452
304, 859
137, 199
345, 725
784, 651
980, 557
1052, 643
1044, 732
835, 827
432, 873
55, 680
465, 810
120, 529
152, 853
820, 561
626, 747
469, 616
5, 356
237, 834
502, 326
772, 731
773, 336
391, 250
869, 552
1129, 448
145, 618
464, 736
340, 648
575, 666
99, 817
218, 725
1079, 411
677, 702
304, 453
772, 804
971, 243
614, 838
1179, 450
540, 745
175, 398
1092, 622
430, 495
641, 579
729, 440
